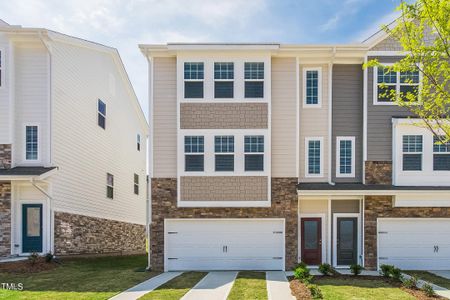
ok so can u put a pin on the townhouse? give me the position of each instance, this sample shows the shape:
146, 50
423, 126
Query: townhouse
72, 147
264, 155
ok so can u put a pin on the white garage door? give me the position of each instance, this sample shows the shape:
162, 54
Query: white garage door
225, 244
414, 243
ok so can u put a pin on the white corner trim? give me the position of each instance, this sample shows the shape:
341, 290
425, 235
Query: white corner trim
338, 156
319, 87
307, 139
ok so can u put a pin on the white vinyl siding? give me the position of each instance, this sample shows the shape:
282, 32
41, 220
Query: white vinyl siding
5, 101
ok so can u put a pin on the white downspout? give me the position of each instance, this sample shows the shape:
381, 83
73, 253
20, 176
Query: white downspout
365, 75
150, 158
330, 118
50, 204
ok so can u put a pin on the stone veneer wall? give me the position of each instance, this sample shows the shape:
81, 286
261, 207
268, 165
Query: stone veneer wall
5, 156
164, 205
378, 172
382, 207
223, 188
223, 115
77, 234
5, 219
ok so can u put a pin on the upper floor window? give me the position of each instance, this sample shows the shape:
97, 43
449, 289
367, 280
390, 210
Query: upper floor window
314, 157
109, 186
311, 87
138, 142
136, 184
412, 146
345, 156
194, 148
254, 152
101, 114
390, 84
31, 142
223, 80
441, 154
224, 149
193, 79
254, 79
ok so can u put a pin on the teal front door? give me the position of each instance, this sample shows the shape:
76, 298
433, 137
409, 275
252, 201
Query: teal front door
31, 228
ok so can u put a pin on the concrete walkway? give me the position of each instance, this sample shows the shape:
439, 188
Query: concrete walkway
443, 292
278, 286
146, 286
214, 286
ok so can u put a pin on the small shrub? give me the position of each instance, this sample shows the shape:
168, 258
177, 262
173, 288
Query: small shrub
301, 265
302, 273
410, 283
316, 293
325, 269
356, 269
33, 258
396, 273
386, 270
49, 257
428, 290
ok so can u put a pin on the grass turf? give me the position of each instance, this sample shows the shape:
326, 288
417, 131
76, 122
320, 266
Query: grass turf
249, 285
82, 278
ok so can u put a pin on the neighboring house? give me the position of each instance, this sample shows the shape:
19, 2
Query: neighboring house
72, 147
263, 155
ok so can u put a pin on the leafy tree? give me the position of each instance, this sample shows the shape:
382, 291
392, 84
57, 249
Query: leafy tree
423, 30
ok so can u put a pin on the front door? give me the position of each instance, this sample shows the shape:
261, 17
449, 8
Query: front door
31, 228
347, 244
311, 240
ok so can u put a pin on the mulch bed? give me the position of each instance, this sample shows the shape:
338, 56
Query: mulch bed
25, 266
301, 291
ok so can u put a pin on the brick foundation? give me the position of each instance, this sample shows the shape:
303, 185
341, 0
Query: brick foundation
77, 234
5, 219
378, 172
5, 156
164, 205
382, 207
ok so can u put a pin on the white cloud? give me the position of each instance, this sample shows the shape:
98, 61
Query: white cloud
345, 9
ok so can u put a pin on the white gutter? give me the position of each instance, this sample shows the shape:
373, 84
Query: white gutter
330, 118
148, 218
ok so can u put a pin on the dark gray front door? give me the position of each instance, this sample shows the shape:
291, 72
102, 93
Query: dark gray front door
31, 228
347, 242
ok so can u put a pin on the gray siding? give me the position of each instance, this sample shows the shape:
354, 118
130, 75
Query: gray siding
348, 113
379, 120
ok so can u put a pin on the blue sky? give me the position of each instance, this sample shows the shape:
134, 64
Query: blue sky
125, 23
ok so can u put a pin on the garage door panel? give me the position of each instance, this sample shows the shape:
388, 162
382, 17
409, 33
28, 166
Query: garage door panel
416, 243
225, 244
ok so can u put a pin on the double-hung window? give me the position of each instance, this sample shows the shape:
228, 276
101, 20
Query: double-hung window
224, 149
136, 184
31, 142
138, 142
194, 153
223, 80
441, 154
109, 186
412, 152
193, 79
314, 157
254, 152
101, 115
312, 87
345, 156
254, 79
391, 84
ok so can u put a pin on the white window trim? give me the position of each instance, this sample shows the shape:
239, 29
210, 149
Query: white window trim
193, 153
2, 68
111, 186
138, 142
403, 153
324, 226
193, 80
397, 85
225, 153
100, 113
255, 80
136, 184
223, 80
358, 236
437, 153
250, 153
338, 156
38, 143
307, 140
319, 87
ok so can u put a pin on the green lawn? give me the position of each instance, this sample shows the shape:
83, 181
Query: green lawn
175, 288
83, 278
438, 280
249, 285
354, 288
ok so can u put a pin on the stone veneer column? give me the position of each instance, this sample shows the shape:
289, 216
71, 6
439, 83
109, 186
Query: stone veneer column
378, 172
164, 205
5, 219
382, 207
5, 156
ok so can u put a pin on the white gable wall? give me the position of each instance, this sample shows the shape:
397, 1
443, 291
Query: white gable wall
5, 103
